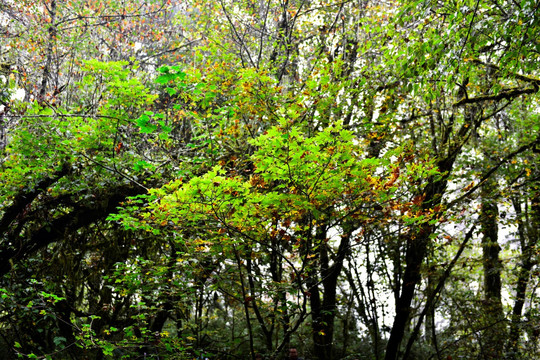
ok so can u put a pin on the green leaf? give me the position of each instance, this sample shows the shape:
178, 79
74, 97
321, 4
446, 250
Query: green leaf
59, 341
144, 123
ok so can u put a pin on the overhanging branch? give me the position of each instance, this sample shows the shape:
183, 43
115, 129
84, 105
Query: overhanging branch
507, 158
57, 229
508, 94
24, 198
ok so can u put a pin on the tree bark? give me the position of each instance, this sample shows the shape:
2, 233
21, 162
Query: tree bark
528, 238
493, 335
50, 49
323, 311
417, 241
55, 230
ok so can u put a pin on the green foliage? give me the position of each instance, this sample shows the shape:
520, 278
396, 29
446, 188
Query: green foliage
290, 173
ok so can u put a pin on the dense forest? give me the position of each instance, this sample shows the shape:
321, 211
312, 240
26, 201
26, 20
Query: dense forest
212, 179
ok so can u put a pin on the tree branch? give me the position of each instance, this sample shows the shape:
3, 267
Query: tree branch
493, 169
57, 229
23, 199
508, 94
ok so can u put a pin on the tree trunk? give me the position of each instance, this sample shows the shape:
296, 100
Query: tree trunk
324, 310
528, 238
493, 335
417, 241
50, 49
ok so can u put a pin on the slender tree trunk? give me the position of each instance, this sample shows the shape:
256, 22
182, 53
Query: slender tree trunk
348, 324
528, 238
246, 301
433, 296
361, 307
416, 241
50, 49
493, 335
280, 299
430, 313
416, 252
324, 310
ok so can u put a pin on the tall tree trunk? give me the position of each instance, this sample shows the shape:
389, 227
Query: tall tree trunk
51, 40
430, 313
494, 315
324, 309
433, 296
416, 241
528, 238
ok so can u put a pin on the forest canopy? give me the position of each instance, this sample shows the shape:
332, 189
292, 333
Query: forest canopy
217, 179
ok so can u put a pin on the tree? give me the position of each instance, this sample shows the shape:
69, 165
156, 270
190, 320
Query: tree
275, 169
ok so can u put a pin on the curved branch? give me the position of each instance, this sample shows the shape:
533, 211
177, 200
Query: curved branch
25, 198
57, 229
493, 169
508, 94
